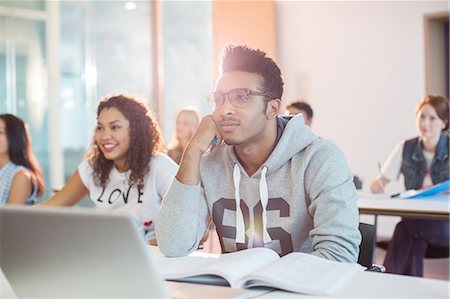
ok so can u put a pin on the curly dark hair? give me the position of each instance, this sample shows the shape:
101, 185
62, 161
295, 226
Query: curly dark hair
145, 140
243, 58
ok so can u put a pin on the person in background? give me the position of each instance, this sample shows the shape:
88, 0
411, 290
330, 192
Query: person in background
124, 169
307, 112
186, 122
423, 161
263, 180
303, 108
21, 180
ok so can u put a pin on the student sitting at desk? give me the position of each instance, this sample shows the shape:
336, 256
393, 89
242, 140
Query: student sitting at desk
270, 183
123, 170
423, 161
20, 175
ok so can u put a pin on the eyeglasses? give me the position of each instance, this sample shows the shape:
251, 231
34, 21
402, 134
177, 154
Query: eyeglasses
237, 97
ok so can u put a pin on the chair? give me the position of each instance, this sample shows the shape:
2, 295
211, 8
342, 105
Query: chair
367, 247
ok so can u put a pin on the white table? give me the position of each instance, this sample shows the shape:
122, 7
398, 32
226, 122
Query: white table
427, 207
366, 285
177, 290
382, 285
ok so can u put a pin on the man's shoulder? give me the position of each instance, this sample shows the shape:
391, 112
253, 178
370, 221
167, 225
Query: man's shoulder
323, 145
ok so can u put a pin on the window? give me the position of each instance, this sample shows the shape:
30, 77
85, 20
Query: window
103, 47
187, 57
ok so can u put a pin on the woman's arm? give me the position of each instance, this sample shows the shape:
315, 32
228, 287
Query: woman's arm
70, 194
21, 188
390, 170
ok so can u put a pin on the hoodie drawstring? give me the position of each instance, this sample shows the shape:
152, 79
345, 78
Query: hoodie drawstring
264, 196
240, 227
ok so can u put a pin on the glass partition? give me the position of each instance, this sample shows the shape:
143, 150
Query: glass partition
105, 48
31, 4
187, 44
23, 80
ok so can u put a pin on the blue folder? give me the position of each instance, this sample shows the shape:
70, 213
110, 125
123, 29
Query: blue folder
433, 190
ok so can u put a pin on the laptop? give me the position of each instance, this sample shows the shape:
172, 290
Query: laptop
76, 252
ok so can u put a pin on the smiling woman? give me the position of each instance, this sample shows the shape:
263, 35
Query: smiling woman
124, 169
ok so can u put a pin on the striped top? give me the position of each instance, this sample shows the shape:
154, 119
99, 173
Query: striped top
7, 174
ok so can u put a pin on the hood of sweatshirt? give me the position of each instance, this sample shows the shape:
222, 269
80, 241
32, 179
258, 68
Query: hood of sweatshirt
295, 137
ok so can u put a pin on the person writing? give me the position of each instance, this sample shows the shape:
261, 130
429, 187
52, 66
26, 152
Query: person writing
21, 180
186, 122
263, 180
423, 161
124, 169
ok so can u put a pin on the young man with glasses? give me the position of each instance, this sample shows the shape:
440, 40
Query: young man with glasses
262, 179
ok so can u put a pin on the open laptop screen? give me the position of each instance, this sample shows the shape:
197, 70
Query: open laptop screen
75, 252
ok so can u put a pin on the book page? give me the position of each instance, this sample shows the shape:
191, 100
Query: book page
230, 266
304, 273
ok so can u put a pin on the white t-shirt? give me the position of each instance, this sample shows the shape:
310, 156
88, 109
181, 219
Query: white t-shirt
119, 196
391, 168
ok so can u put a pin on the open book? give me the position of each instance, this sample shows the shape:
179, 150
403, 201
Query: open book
431, 191
262, 267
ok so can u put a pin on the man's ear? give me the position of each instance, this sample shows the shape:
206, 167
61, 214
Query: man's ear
273, 108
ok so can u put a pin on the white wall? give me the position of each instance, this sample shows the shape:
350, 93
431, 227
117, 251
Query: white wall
361, 67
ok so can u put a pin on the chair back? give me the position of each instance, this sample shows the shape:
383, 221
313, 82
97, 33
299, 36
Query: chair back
367, 246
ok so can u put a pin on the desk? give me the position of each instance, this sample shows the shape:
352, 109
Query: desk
366, 285
419, 208
382, 285
177, 290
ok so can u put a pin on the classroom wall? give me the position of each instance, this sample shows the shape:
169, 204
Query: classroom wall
252, 23
361, 67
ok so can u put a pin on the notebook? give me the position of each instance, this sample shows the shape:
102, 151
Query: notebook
76, 252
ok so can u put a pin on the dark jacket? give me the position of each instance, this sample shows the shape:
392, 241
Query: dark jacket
414, 165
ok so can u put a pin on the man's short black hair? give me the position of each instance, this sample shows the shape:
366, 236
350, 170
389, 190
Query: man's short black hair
300, 105
245, 59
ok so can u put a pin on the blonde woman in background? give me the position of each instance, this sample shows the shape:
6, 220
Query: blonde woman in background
186, 123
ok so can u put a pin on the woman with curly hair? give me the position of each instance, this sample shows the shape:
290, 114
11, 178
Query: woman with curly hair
20, 174
124, 168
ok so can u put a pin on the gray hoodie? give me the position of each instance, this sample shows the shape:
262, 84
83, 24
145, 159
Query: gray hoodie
301, 199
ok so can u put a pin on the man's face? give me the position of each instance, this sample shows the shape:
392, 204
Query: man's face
246, 124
